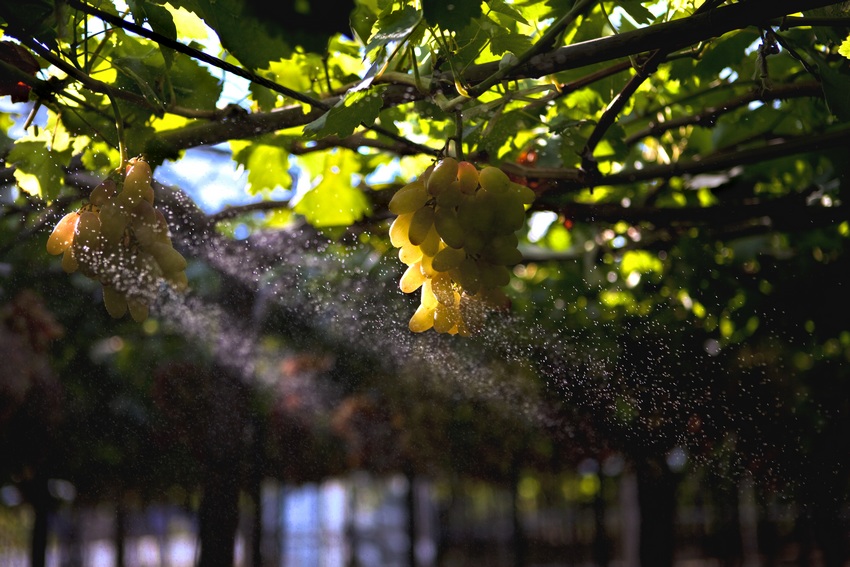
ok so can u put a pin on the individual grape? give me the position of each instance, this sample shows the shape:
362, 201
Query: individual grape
137, 182
420, 225
477, 212
399, 230
448, 258
409, 254
428, 299
441, 285
492, 275
169, 259
114, 301
412, 278
426, 262
138, 310
409, 198
494, 179
445, 317
451, 197
467, 175
178, 279
113, 222
69, 263
87, 232
467, 275
502, 250
144, 223
422, 319
444, 173
431, 245
104, 192
526, 194
508, 213
63, 234
448, 227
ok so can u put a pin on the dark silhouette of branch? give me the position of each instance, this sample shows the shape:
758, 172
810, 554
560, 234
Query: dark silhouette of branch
708, 116
672, 35
557, 181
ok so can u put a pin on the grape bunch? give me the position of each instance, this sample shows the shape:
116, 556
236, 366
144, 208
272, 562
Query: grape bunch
121, 240
455, 230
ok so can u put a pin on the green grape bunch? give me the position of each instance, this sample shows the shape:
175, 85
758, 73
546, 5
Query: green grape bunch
121, 240
455, 229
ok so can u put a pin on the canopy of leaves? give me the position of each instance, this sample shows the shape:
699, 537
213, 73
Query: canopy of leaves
688, 159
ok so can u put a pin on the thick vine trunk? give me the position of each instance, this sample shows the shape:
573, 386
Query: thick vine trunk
657, 502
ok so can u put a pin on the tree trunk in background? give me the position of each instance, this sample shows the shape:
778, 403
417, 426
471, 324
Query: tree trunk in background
224, 454
411, 518
519, 542
657, 501
601, 546
40, 499
120, 529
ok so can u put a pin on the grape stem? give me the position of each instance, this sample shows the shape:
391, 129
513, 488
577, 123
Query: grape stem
119, 127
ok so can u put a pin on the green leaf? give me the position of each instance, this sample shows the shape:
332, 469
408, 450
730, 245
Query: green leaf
394, 27
193, 85
450, 16
836, 85
638, 12
359, 107
503, 40
502, 8
266, 160
334, 202
160, 20
39, 170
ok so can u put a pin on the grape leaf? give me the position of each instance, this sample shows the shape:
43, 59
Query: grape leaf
266, 160
334, 202
38, 170
844, 48
395, 26
358, 107
502, 8
160, 21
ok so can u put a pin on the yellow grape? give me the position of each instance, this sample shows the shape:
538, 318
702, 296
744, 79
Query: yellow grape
69, 263
525, 193
412, 278
445, 317
113, 221
494, 179
420, 225
431, 245
178, 279
63, 234
503, 250
103, 193
427, 298
492, 275
467, 275
467, 175
476, 213
144, 223
138, 310
441, 285
508, 213
169, 259
448, 258
427, 267
399, 229
137, 181
162, 234
114, 301
451, 197
444, 173
409, 254
422, 319
448, 227
409, 198
87, 233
